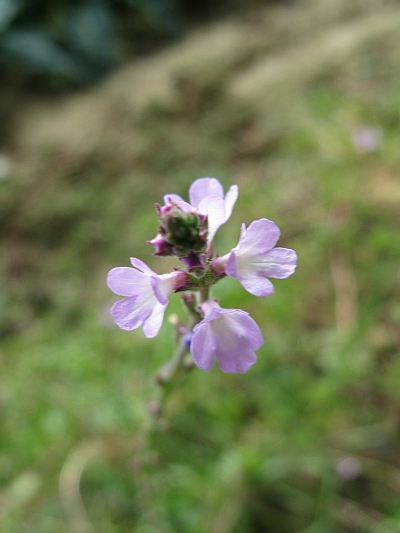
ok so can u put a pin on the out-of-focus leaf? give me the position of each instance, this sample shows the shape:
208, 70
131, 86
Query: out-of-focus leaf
33, 48
8, 9
90, 32
166, 15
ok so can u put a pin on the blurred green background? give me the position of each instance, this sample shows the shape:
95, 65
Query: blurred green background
296, 102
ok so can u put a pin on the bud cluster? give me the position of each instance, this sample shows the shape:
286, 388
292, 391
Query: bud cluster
180, 232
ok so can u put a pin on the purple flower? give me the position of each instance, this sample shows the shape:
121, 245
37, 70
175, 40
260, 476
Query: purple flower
255, 259
146, 296
206, 195
366, 139
230, 335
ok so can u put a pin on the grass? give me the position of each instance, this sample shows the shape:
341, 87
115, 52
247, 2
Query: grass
241, 454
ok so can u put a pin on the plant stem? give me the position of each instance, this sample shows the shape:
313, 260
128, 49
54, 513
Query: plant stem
204, 294
169, 370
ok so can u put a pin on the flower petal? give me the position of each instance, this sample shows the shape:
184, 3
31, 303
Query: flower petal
130, 313
153, 324
246, 327
239, 360
137, 263
164, 284
172, 198
281, 263
231, 268
230, 200
202, 346
177, 200
203, 187
260, 236
238, 336
161, 290
124, 281
257, 285
214, 208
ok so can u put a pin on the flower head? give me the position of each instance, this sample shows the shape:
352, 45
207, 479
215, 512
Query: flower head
230, 335
206, 195
186, 231
181, 231
146, 296
255, 259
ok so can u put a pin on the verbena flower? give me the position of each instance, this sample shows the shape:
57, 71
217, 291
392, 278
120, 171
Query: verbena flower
229, 335
186, 231
206, 195
146, 296
255, 259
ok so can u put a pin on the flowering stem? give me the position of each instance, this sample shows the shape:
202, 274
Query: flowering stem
169, 370
204, 294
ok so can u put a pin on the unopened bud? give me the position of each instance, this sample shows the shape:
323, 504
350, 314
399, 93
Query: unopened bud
180, 232
194, 261
161, 245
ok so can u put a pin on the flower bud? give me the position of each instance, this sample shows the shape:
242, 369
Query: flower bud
162, 247
180, 232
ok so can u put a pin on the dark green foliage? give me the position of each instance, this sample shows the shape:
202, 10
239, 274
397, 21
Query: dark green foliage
67, 41
71, 43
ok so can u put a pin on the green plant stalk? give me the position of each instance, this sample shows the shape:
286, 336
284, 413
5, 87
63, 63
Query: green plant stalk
168, 373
